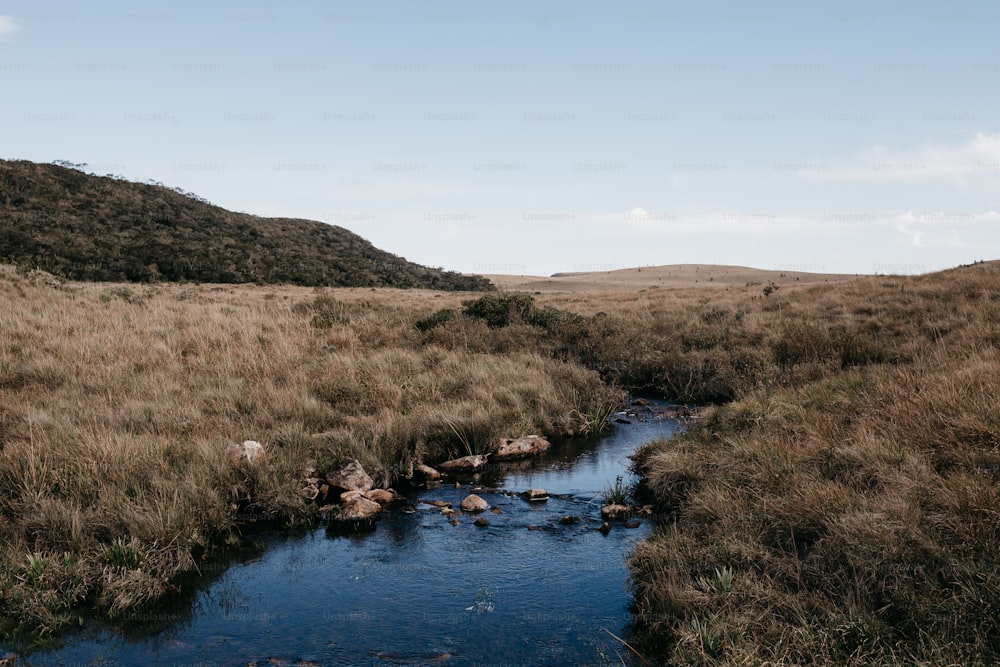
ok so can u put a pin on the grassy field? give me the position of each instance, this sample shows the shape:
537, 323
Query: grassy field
848, 513
841, 504
838, 506
117, 403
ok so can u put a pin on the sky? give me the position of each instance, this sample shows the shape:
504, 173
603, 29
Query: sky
545, 136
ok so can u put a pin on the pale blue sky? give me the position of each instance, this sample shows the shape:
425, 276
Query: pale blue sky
546, 136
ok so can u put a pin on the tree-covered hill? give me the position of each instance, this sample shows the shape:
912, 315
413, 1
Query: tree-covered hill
80, 226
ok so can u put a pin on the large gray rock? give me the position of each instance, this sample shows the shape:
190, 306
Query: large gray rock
473, 503
248, 452
350, 477
465, 464
510, 449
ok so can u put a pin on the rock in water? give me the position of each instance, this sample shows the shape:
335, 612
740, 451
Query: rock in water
249, 452
482, 521
464, 464
424, 473
473, 503
615, 512
537, 495
350, 477
355, 508
509, 449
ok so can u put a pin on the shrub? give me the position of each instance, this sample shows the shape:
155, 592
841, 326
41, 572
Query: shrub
435, 320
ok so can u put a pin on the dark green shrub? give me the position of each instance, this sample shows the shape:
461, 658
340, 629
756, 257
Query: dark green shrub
499, 311
435, 320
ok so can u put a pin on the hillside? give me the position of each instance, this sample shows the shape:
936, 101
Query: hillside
86, 227
668, 276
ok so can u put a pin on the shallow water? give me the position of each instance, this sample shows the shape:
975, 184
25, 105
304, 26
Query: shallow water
526, 590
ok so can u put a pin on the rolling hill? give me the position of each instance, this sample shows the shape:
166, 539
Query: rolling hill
667, 276
85, 227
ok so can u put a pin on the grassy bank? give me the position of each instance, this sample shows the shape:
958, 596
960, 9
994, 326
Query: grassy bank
839, 506
846, 510
117, 403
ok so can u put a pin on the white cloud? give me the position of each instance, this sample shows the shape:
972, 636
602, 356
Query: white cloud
7, 26
939, 229
974, 159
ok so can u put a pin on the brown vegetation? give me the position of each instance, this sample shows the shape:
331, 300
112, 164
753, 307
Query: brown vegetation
838, 506
671, 276
851, 507
117, 403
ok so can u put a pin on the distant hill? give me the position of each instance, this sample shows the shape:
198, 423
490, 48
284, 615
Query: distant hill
84, 227
668, 276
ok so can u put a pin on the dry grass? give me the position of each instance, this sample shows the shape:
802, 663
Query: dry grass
117, 403
859, 509
840, 507
670, 276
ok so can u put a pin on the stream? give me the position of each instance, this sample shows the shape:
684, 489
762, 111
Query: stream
525, 590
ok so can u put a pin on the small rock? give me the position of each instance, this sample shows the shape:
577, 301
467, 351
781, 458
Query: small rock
473, 503
615, 512
566, 520
249, 452
464, 464
311, 489
619, 420
481, 521
537, 495
439, 503
605, 528
509, 449
632, 524
458, 485
496, 510
348, 497
454, 522
356, 508
350, 477
381, 496
536, 527
447, 511
425, 473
